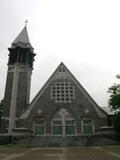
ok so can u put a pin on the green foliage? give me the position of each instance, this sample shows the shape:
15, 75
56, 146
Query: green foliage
114, 104
114, 91
1, 104
116, 124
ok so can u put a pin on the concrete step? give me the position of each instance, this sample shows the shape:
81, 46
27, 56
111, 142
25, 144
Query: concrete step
51, 141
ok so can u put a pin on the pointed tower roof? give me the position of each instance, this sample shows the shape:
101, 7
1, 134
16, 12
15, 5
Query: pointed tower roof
22, 39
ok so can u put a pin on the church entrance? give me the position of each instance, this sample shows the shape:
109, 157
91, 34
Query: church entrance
63, 124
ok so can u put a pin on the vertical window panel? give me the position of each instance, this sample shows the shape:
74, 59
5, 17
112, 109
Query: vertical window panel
70, 130
57, 130
39, 130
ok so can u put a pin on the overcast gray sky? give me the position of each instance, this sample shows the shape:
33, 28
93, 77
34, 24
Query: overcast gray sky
84, 34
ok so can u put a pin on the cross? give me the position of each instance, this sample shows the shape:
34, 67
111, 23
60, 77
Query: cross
26, 22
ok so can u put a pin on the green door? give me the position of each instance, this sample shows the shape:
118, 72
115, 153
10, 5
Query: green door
57, 130
39, 130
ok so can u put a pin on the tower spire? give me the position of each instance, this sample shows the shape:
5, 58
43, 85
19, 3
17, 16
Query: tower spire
17, 93
22, 38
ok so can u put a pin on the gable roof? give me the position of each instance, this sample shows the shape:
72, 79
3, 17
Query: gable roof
62, 72
108, 111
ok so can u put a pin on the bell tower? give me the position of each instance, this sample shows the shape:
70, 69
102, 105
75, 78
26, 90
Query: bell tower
20, 66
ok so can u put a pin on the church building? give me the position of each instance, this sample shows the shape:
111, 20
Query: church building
62, 108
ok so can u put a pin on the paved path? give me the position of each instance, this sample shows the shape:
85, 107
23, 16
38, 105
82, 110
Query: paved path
82, 153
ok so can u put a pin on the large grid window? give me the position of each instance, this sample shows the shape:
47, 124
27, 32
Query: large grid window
62, 92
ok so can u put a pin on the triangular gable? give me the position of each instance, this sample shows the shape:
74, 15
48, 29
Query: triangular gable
62, 72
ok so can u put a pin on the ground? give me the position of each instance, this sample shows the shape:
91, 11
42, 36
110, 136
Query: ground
83, 153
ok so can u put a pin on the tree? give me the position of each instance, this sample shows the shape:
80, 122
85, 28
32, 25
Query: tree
114, 100
116, 124
114, 104
1, 104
